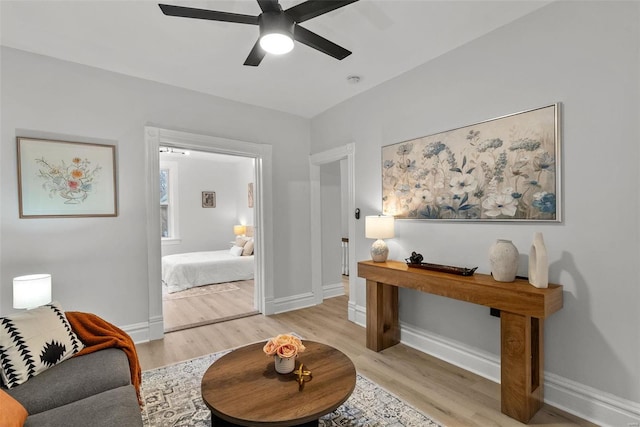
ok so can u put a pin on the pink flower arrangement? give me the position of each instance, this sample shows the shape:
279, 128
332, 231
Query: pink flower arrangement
284, 345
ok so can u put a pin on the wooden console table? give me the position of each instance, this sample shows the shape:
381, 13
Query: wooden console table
522, 306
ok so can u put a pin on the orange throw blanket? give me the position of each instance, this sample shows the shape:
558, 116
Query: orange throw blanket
98, 334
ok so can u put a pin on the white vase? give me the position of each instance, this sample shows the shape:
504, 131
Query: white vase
503, 258
284, 365
538, 262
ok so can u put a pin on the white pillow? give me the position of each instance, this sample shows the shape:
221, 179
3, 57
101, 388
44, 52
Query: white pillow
236, 250
34, 341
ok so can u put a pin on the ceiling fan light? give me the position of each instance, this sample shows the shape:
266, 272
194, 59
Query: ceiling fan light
276, 43
276, 32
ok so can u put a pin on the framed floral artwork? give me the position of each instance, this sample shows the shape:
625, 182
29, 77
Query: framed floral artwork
504, 169
66, 179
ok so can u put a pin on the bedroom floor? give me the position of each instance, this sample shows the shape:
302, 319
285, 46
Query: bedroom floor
208, 304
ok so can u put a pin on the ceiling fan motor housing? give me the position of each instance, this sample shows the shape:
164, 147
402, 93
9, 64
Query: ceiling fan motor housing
276, 22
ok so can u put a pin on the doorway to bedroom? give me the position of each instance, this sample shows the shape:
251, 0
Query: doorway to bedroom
207, 216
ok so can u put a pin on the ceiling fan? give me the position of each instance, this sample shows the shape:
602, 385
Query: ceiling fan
278, 28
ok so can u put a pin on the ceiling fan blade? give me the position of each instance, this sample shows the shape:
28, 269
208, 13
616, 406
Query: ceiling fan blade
312, 8
269, 5
211, 15
255, 56
315, 41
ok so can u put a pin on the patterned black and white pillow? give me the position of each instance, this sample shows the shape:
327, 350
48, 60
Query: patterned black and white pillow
33, 341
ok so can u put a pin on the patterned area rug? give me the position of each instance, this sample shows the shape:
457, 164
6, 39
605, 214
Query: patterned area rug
172, 398
198, 291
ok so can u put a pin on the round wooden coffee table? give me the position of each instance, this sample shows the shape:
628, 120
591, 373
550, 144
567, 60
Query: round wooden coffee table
242, 388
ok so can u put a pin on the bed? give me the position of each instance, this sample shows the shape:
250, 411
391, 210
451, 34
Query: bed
188, 270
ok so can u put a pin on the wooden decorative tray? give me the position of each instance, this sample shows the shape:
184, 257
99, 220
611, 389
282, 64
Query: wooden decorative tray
460, 271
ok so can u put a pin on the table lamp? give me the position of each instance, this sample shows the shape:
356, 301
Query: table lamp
239, 230
31, 291
379, 227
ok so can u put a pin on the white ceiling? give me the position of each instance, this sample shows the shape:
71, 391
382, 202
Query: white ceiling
387, 38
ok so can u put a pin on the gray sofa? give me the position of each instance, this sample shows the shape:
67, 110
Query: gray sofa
91, 390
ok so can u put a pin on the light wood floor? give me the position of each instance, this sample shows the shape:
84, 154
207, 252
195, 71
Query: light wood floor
203, 305
450, 395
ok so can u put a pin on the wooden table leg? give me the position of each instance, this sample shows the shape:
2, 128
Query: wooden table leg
522, 372
383, 328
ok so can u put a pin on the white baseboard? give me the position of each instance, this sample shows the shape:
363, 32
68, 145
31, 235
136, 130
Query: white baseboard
357, 314
472, 359
296, 302
156, 328
332, 290
145, 331
268, 306
139, 332
351, 312
586, 402
597, 406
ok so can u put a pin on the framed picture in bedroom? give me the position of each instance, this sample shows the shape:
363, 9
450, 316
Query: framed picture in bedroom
208, 199
504, 169
66, 179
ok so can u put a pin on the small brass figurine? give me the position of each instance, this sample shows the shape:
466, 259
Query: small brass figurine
302, 377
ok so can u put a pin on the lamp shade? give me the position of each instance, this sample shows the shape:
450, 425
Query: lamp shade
239, 230
31, 291
379, 227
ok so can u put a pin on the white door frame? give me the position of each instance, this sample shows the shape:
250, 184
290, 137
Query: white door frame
315, 161
263, 227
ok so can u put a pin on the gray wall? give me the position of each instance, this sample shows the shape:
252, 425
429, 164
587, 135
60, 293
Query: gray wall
100, 264
209, 229
584, 55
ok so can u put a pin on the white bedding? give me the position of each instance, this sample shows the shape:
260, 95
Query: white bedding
184, 271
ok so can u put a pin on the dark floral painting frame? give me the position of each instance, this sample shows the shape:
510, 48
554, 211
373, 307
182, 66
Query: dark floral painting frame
208, 199
504, 169
66, 179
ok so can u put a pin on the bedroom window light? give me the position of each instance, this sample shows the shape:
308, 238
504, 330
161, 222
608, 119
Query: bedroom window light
169, 202
164, 202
